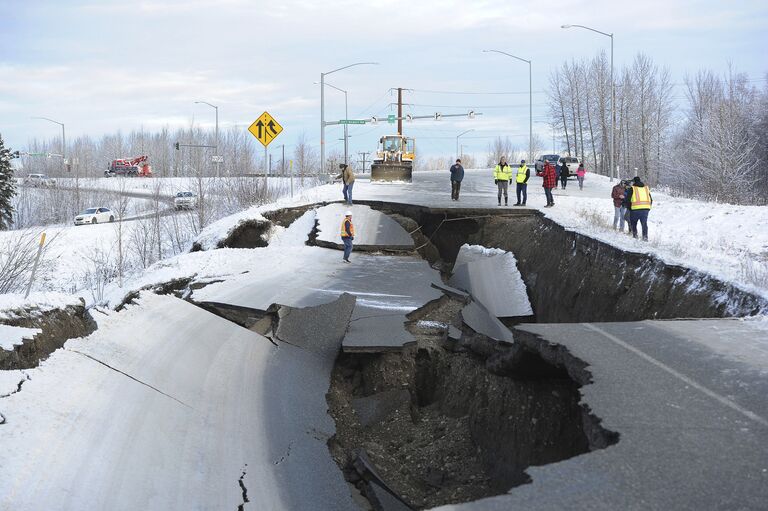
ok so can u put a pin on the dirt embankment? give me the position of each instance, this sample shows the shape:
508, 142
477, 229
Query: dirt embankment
574, 278
57, 326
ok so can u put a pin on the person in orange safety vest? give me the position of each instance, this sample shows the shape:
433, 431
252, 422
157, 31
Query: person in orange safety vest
347, 234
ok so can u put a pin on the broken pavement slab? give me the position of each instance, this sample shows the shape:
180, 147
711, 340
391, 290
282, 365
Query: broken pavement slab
492, 278
479, 319
319, 328
373, 229
181, 401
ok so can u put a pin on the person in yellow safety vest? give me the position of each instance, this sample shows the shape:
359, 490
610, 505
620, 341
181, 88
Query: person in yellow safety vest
638, 196
522, 183
502, 173
347, 234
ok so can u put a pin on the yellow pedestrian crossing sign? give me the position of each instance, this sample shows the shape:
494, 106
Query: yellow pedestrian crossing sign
265, 128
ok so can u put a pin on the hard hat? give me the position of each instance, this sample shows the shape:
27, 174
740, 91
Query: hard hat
348, 213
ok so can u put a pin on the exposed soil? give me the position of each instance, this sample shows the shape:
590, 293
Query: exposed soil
454, 421
57, 326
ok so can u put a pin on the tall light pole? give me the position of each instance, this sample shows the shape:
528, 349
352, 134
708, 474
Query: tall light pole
217, 131
63, 139
346, 116
322, 106
613, 93
530, 99
458, 155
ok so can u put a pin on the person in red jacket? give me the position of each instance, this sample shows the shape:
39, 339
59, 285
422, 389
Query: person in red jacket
549, 182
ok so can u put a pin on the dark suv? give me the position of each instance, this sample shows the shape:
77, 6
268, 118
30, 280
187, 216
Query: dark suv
551, 158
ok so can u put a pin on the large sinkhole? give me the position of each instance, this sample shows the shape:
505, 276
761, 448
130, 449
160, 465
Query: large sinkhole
438, 423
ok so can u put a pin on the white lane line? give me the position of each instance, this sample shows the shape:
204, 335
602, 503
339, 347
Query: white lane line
714, 395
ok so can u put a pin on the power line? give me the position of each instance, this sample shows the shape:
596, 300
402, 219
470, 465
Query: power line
474, 93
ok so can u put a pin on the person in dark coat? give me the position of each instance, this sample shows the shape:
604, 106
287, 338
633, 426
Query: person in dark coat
640, 201
457, 174
549, 182
564, 174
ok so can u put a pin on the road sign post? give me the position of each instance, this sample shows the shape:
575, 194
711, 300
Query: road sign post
265, 129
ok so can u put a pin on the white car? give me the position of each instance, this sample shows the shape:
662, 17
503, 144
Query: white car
39, 180
185, 200
572, 163
95, 216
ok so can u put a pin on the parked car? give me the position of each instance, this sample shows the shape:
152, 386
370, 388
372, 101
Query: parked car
185, 200
573, 164
539, 163
95, 216
39, 180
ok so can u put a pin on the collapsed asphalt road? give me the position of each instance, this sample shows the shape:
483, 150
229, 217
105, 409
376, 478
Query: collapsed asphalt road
432, 400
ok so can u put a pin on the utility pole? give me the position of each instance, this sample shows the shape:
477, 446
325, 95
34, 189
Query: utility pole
282, 163
363, 155
400, 111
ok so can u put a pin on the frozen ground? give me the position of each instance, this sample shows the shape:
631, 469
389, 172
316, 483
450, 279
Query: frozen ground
730, 242
727, 241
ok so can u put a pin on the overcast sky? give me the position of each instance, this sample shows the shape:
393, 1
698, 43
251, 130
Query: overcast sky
100, 66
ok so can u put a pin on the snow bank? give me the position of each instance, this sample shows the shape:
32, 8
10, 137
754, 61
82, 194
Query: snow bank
40, 302
11, 336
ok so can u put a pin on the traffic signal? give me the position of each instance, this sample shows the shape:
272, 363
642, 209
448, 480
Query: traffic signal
176, 145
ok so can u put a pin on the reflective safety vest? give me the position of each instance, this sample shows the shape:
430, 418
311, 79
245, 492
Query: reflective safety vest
344, 230
521, 171
641, 198
502, 173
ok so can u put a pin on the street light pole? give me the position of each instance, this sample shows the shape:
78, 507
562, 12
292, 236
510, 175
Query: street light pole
346, 126
63, 139
217, 131
457, 141
322, 107
613, 96
530, 99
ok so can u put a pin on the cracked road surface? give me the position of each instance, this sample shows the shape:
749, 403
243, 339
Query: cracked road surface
688, 399
100, 432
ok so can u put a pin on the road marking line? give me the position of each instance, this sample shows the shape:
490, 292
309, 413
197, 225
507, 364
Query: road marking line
723, 400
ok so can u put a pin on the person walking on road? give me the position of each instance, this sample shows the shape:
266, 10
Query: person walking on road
549, 182
522, 183
640, 202
564, 175
617, 194
580, 173
347, 234
502, 173
457, 174
558, 168
348, 178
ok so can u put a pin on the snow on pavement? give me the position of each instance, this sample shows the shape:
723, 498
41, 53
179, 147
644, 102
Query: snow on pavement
164, 408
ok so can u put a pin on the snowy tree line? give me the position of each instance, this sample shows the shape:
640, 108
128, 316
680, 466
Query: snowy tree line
718, 151
241, 152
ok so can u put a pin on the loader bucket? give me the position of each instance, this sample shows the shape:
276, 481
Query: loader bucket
395, 171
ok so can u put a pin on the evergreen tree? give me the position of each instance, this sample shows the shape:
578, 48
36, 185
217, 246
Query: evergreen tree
7, 187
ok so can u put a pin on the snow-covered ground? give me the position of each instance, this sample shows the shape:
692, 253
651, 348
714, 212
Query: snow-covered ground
727, 241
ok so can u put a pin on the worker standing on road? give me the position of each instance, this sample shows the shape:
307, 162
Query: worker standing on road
564, 175
522, 183
348, 178
640, 202
580, 173
347, 234
501, 176
550, 181
617, 194
457, 174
